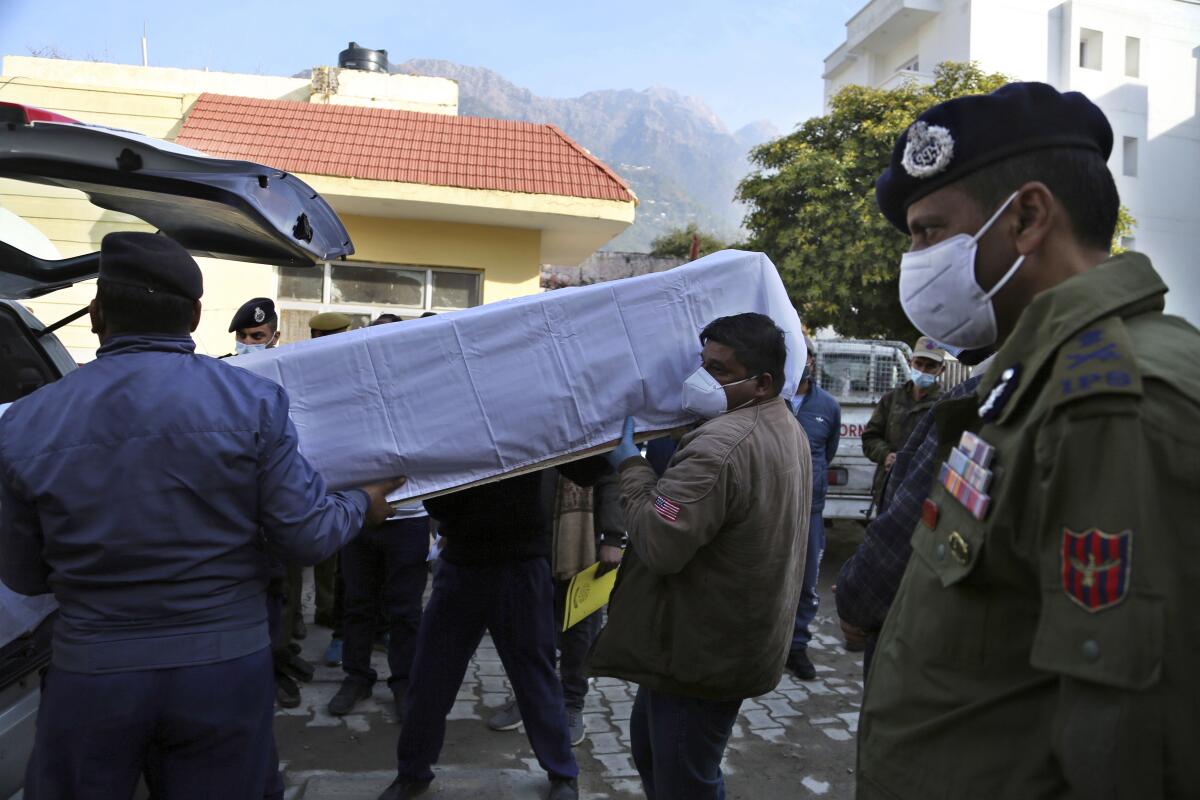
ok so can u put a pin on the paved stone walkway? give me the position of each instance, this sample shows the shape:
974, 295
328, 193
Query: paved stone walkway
794, 742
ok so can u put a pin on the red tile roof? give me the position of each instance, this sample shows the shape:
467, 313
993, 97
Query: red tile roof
403, 146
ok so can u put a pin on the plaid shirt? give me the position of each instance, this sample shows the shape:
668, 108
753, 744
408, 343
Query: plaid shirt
870, 578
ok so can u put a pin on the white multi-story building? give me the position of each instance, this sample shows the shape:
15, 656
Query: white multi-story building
1137, 59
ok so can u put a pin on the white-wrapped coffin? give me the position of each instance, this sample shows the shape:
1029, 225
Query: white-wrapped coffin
469, 396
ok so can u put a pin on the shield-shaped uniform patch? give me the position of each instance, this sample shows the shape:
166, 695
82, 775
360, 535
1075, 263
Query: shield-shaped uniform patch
1095, 567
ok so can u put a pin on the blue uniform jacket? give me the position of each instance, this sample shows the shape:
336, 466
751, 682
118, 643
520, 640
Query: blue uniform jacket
821, 418
146, 490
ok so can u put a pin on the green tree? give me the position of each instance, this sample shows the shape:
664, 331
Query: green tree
812, 205
678, 243
1125, 225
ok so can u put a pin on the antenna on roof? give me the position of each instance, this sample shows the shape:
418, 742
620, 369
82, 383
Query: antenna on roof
145, 57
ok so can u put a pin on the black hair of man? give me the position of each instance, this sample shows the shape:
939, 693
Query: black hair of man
385, 319
1078, 178
757, 343
133, 309
429, 314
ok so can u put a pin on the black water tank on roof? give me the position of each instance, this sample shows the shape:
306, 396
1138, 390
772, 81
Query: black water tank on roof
355, 57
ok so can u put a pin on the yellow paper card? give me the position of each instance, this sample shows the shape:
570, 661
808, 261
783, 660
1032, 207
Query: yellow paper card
587, 594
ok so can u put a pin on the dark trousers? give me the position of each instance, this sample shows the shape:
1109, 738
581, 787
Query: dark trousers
678, 743
513, 601
384, 566
573, 646
291, 608
328, 604
194, 732
806, 611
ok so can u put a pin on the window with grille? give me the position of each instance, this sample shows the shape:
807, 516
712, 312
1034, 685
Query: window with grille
363, 291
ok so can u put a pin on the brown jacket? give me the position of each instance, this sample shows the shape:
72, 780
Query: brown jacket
705, 600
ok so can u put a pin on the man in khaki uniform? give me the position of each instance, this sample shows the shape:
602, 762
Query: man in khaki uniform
705, 601
898, 412
1044, 639
326, 575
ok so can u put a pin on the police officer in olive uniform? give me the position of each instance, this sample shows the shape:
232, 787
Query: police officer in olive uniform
327, 578
328, 323
898, 412
1043, 641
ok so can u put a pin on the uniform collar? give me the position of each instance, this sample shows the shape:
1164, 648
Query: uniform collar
1123, 285
126, 343
932, 393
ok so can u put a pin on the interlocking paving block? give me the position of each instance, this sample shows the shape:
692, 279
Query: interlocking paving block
815, 786
617, 765
596, 723
451, 782
782, 708
605, 743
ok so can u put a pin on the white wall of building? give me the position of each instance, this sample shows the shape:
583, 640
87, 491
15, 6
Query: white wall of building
348, 86
1040, 40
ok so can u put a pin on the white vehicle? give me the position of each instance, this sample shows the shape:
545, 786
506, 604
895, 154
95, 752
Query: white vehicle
225, 209
857, 372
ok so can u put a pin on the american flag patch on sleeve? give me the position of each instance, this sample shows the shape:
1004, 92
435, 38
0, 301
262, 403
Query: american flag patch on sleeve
666, 508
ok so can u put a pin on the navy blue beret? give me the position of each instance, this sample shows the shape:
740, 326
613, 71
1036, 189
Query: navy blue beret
253, 313
958, 137
150, 261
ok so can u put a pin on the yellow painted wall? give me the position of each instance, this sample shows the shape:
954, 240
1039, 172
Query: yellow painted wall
509, 257
148, 112
76, 227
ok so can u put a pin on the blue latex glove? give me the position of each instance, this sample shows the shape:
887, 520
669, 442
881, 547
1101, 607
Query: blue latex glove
626, 449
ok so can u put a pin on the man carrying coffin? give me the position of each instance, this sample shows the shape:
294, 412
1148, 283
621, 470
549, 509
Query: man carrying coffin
705, 602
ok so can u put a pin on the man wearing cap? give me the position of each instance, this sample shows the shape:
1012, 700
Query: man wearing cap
326, 579
898, 411
147, 490
255, 327
821, 418
1043, 640
383, 575
328, 323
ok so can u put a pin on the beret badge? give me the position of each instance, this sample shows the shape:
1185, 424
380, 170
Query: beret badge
928, 150
259, 315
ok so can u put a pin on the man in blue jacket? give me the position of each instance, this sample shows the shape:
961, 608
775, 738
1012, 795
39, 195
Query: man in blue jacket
821, 418
148, 491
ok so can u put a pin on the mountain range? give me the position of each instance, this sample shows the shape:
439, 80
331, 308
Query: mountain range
676, 154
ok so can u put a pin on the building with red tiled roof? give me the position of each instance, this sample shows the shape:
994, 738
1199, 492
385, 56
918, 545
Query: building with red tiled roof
444, 211
400, 146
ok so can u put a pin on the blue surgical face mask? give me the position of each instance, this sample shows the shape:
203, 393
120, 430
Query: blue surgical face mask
241, 348
923, 380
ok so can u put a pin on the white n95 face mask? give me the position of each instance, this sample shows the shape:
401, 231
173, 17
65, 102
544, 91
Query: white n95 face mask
940, 295
704, 396
241, 348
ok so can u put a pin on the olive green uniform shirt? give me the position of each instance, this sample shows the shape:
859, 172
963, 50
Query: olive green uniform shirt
1052, 648
892, 422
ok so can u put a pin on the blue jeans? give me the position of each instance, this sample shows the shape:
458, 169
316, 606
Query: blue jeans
573, 646
806, 612
678, 743
194, 732
384, 565
514, 600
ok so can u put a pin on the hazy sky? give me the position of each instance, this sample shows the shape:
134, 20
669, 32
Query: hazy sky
748, 60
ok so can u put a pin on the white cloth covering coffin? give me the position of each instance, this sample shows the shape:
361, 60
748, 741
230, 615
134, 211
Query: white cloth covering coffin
473, 395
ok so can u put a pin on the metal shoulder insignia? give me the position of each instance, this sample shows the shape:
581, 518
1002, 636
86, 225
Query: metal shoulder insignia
1097, 360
